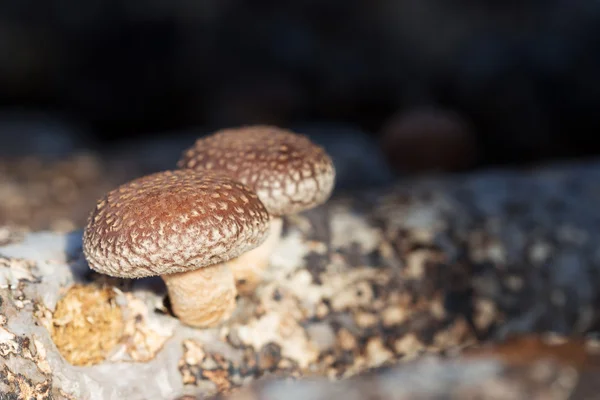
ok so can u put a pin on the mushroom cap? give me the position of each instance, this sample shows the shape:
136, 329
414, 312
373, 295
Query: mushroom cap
288, 172
173, 221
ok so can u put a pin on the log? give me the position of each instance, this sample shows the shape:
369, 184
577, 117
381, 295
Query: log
369, 282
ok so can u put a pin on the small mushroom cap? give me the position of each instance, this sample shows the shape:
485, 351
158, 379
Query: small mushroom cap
288, 172
173, 221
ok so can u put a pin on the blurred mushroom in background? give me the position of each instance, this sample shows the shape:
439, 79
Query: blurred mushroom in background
427, 140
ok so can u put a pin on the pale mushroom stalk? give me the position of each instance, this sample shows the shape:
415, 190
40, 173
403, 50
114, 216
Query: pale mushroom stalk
289, 173
183, 226
204, 297
249, 267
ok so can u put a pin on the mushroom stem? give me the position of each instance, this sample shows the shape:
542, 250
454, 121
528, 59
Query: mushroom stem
249, 267
202, 298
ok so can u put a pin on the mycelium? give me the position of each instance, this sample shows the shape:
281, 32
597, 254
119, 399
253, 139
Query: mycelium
183, 225
288, 172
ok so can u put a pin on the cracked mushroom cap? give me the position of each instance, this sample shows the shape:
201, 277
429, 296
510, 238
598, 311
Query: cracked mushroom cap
288, 172
173, 221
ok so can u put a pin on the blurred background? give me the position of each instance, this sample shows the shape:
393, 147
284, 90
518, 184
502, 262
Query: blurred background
93, 93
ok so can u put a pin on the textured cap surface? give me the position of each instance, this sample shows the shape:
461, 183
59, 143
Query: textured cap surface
173, 221
288, 172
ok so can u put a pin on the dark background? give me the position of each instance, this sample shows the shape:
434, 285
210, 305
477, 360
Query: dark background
491, 82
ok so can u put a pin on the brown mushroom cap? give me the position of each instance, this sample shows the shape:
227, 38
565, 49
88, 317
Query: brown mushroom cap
173, 221
288, 172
